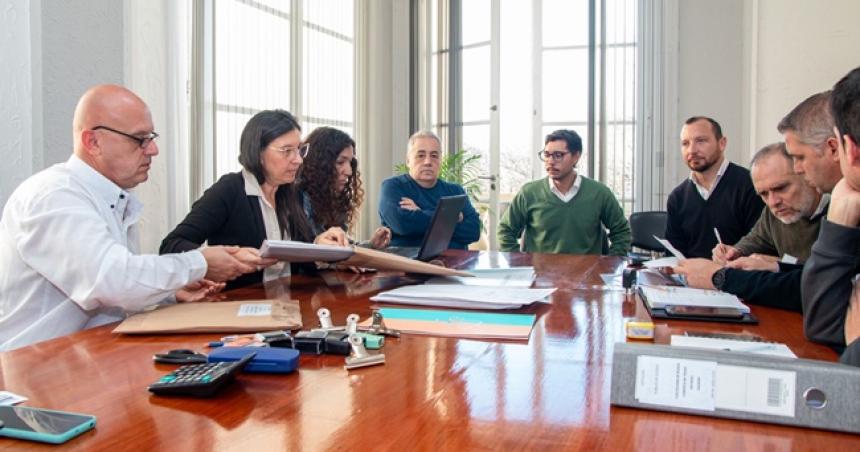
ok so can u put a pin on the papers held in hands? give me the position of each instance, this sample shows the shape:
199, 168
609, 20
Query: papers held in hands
466, 297
291, 251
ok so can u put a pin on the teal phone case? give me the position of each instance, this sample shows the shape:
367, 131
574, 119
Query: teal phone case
50, 438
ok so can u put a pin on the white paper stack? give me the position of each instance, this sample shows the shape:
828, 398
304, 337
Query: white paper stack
492, 277
733, 345
292, 251
467, 297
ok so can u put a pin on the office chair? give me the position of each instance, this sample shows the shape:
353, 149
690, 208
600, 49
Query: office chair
644, 226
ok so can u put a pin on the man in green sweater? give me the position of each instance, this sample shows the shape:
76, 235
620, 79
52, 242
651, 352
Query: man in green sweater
564, 213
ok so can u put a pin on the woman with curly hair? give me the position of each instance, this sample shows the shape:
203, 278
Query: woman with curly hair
331, 184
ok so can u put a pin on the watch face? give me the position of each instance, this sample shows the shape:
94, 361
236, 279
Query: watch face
719, 278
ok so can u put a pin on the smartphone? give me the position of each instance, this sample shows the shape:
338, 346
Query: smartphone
47, 426
701, 311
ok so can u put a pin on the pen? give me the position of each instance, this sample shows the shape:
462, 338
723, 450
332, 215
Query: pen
717, 233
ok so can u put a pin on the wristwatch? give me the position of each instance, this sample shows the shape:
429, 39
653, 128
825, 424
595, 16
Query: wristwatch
718, 279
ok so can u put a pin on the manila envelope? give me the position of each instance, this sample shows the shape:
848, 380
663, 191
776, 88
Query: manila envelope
247, 316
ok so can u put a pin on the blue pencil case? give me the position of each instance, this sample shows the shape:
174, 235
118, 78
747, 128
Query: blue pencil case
268, 359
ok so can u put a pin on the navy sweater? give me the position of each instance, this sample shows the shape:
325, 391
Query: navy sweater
408, 227
733, 208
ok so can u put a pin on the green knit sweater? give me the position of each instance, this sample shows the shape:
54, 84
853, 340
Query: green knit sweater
574, 227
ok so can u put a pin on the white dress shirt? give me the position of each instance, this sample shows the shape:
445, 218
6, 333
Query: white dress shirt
280, 269
574, 189
701, 188
68, 256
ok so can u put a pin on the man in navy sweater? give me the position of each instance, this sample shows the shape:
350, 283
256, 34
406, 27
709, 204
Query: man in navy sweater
718, 194
407, 202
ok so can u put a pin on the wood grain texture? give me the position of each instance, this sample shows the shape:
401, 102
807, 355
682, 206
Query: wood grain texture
550, 393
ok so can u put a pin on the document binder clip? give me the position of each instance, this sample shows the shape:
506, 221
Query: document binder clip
325, 321
378, 326
352, 323
360, 356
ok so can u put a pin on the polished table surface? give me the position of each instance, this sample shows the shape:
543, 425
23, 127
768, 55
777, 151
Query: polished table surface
549, 393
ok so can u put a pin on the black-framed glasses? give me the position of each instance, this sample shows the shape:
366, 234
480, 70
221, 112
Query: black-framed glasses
143, 142
556, 156
288, 152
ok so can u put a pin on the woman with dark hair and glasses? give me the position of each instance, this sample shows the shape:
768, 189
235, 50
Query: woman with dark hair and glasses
261, 201
331, 186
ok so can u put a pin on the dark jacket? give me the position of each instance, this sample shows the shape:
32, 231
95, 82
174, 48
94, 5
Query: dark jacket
765, 288
224, 215
827, 283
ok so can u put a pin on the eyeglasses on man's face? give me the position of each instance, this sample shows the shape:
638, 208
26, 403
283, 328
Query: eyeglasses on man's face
556, 156
289, 152
142, 142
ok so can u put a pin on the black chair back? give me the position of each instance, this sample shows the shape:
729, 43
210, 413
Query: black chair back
644, 226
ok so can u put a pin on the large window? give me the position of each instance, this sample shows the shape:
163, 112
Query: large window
296, 55
494, 77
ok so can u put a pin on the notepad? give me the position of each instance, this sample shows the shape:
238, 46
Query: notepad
658, 297
467, 324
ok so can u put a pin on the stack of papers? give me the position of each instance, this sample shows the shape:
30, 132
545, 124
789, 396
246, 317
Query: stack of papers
461, 296
658, 297
478, 325
734, 345
492, 277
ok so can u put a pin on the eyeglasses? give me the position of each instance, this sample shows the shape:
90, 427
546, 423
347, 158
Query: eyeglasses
288, 152
143, 142
555, 156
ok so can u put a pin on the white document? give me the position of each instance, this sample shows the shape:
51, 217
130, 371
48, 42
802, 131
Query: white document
254, 310
661, 296
682, 383
292, 251
670, 261
459, 296
755, 390
669, 247
8, 398
492, 277
788, 259
714, 343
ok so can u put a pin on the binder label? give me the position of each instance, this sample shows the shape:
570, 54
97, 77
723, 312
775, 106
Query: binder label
255, 310
681, 383
756, 390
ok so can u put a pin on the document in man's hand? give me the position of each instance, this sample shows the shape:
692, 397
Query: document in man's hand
466, 297
291, 251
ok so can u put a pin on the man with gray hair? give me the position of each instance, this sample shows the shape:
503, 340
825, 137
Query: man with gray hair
408, 201
809, 138
786, 229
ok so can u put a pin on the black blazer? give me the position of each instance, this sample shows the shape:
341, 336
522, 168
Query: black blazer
224, 215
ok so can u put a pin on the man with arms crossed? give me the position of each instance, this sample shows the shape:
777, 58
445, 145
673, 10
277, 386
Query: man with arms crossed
408, 201
564, 213
69, 238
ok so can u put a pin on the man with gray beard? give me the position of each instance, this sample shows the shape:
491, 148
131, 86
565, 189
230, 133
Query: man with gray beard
788, 227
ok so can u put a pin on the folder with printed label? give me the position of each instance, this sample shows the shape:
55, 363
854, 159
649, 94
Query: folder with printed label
737, 385
247, 316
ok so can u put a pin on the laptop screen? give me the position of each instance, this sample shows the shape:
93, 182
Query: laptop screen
442, 226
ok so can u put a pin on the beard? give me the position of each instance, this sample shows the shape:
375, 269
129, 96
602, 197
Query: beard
702, 165
805, 208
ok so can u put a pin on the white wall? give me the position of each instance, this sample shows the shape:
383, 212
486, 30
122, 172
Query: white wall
803, 47
52, 51
16, 134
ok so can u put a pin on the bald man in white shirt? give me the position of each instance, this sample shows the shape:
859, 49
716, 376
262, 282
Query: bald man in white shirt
69, 237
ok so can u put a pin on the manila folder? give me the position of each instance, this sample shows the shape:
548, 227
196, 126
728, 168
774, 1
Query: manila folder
247, 316
380, 260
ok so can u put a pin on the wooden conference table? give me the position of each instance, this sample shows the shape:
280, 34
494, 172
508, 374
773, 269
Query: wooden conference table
551, 393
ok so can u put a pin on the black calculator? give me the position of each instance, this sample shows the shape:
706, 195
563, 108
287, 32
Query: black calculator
199, 380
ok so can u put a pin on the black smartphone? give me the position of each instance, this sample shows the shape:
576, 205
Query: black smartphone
701, 311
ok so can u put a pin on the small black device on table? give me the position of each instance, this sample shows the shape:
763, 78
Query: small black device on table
199, 380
